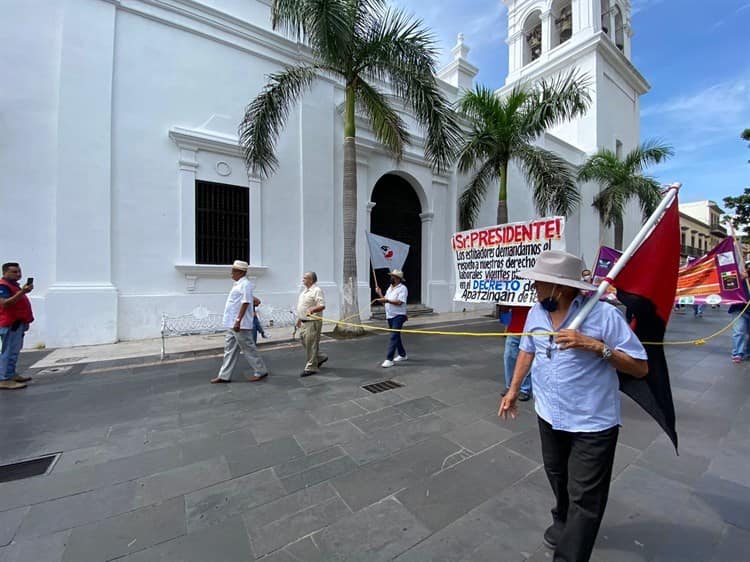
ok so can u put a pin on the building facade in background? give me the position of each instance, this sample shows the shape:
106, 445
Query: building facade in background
120, 148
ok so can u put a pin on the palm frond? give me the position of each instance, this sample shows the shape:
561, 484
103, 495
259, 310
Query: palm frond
481, 105
610, 204
288, 16
601, 167
399, 50
650, 152
470, 201
555, 101
648, 192
479, 146
387, 125
266, 114
553, 184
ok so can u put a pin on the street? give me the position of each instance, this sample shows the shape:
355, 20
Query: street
159, 465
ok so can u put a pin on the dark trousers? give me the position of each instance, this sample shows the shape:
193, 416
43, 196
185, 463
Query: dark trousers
579, 469
394, 343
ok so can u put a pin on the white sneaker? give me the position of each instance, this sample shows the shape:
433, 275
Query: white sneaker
400, 358
387, 363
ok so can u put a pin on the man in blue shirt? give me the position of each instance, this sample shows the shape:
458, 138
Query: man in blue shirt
576, 397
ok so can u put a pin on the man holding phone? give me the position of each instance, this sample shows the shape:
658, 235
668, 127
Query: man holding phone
15, 318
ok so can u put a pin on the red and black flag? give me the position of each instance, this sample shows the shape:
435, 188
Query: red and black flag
646, 286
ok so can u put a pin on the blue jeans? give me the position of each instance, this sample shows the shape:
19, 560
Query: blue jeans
394, 343
740, 331
12, 344
509, 358
257, 329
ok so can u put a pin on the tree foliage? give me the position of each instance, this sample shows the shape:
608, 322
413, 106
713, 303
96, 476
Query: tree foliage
504, 129
622, 180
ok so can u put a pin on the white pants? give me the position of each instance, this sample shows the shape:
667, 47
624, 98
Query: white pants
234, 342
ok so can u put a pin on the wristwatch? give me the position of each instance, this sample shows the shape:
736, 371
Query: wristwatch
606, 352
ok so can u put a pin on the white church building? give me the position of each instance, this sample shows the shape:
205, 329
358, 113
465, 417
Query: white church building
124, 194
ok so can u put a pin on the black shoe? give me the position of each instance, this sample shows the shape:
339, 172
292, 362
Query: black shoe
322, 361
551, 536
504, 392
307, 373
523, 397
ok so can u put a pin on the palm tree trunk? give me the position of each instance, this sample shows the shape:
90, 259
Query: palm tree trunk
502, 199
349, 302
618, 234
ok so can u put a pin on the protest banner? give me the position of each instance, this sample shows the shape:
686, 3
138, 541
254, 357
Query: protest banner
606, 259
712, 279
488, 259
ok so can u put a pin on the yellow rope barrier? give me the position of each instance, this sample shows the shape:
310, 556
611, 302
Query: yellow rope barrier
698, 341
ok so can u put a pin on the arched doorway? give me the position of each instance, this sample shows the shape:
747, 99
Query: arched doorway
396, 215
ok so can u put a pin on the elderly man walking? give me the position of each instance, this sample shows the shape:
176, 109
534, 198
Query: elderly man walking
311, 301
577, 399
238, 320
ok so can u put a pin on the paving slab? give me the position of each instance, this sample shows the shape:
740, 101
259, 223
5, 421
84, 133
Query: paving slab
49, 548
10, 521
451, 493
320, 470
376, 533
130, 532
212, 505
227, 542
286, 520
72, 511
374, 481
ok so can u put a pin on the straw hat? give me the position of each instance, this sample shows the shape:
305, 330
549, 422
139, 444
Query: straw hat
241, 265
397, 273
560, 268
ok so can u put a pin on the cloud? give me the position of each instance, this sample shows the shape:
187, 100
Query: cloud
481, 21
715, 109
641, 5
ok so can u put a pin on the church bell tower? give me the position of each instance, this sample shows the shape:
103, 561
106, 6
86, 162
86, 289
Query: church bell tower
548, 38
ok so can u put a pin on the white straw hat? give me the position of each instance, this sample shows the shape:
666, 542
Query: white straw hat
241, 265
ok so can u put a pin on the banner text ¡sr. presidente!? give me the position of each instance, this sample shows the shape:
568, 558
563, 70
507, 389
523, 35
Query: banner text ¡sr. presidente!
549, 229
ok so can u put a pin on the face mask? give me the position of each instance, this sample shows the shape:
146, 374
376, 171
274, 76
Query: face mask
551, 303
587, 278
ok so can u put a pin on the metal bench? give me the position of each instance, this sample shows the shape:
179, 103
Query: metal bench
199, 321
203, 321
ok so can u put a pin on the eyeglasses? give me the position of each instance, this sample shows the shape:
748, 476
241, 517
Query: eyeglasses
549, 346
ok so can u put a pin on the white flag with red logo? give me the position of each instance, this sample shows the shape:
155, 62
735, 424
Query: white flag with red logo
385, 252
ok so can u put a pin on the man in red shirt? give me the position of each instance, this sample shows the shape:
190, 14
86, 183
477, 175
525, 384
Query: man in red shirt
517, 322
15, 318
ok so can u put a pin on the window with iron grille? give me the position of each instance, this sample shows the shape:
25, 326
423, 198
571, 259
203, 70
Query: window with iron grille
222, 223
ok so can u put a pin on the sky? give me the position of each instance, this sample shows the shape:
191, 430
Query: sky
694, 53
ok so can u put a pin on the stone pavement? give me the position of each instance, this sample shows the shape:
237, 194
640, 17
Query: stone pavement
159, 465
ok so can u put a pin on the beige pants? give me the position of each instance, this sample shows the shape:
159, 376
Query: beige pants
310, 337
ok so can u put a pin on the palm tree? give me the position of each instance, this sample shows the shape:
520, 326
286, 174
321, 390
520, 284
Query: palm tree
622, 179
365, 46
504, 130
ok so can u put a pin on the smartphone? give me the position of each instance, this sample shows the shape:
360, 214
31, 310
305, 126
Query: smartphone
30, 281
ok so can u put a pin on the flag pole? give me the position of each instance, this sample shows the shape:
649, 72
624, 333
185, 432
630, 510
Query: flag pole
374, 277
626, 255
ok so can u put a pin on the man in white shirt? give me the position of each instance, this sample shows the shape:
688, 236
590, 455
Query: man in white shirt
395, 315
239, 324
311, 302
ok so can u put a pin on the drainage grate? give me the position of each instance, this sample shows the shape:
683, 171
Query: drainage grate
381, 386
28, 468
